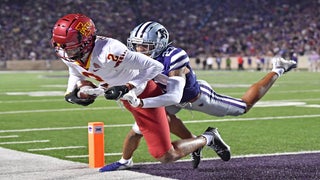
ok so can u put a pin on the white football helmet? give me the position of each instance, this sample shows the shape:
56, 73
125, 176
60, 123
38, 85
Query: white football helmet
152, 35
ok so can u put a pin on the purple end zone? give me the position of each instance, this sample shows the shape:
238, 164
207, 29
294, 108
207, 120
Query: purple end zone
301, 166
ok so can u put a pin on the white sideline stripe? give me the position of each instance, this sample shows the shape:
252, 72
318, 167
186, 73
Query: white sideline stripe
25, 142
271, 154
10, 136
233, 157
85, 156
57, 148
277, 154
58, 110
243, 156
186, 122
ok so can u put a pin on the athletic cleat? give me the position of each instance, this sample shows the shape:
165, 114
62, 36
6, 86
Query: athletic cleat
280, 63
116, 166
196, 158
218, 145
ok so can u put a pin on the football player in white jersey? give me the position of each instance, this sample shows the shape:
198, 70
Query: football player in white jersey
119, 70
152, 39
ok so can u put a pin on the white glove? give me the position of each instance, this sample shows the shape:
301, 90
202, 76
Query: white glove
132, 98
276, 63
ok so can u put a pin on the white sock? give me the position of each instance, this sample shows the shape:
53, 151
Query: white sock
124, 161
208, 138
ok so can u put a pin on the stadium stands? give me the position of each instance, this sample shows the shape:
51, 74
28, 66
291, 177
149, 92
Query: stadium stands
251, 27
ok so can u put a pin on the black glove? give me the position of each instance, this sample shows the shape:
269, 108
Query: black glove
116, 92
73, 98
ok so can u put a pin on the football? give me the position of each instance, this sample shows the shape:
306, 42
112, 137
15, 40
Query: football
83, 85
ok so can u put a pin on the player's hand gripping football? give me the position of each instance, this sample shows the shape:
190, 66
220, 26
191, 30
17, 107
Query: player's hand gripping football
116, 92
72, 98
132, 98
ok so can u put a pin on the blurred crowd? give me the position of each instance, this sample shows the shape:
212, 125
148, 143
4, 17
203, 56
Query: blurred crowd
216, 27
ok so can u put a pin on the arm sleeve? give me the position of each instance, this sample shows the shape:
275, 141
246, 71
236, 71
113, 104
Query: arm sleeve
175, 85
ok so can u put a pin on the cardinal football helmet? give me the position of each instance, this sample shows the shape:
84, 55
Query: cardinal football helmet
73, 36
152, 35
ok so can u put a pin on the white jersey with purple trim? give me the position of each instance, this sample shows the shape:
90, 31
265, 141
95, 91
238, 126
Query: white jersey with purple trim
112, 64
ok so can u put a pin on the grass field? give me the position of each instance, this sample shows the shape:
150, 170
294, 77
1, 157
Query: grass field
35, 118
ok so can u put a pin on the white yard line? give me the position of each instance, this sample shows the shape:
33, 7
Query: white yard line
271, 103
32, 101
60, 128
62, 100
186, 122
57, 110
10, 136
57, 148
25, 142
85, 156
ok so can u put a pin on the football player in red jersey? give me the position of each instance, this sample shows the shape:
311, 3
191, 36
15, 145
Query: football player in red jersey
119, 70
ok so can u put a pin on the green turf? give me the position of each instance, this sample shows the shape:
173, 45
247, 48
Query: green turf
263, 130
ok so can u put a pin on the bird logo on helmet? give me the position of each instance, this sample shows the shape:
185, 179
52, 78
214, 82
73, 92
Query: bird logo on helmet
73, 36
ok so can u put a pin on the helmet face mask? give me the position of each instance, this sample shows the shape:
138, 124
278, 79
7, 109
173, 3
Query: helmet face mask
69, 54
137, 44
149, 38
73, 36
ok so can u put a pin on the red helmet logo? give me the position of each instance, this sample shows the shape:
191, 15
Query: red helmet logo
84, 28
